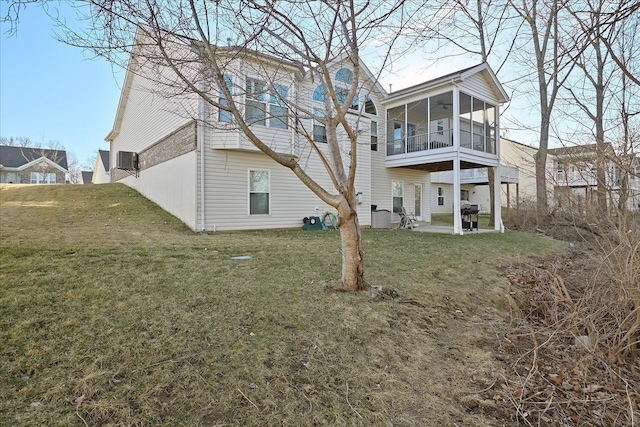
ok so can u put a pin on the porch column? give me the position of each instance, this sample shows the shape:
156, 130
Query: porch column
508, 198
457, 218
497, 198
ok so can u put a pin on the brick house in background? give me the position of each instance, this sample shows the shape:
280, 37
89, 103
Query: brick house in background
25, 165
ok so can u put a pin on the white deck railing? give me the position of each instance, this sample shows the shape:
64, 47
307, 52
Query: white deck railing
439, 139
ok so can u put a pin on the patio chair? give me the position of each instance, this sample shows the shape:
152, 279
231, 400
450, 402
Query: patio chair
407, 220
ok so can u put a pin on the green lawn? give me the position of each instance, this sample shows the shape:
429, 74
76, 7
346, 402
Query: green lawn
113, 313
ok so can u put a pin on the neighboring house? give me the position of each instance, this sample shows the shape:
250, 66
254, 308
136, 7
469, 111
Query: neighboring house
87, 176
209, 175
23, 165
517, 178
101, 173
571, 171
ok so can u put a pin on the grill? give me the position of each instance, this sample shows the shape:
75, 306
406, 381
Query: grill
469, 214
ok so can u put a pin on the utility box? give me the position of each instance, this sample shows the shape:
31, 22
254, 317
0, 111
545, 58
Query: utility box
381, 218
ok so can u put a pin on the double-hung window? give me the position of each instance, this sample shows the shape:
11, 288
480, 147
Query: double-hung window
225, 116
319, 128
256, 107
259, 192
396, 190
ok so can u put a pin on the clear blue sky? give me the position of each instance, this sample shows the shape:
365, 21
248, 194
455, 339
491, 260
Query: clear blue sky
52, 91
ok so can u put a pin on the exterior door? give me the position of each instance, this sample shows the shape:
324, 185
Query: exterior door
418, 201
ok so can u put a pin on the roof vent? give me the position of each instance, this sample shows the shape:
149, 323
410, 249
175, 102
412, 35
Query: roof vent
127, 160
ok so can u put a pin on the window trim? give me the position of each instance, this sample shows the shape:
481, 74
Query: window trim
257, 98
228, 116
249, 192
401, 197
440, 196
318, 112
374, 145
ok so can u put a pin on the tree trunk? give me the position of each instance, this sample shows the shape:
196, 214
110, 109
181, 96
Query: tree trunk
352, 254
542, 205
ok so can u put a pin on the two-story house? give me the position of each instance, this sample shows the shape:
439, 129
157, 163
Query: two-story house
193, 161
572, 173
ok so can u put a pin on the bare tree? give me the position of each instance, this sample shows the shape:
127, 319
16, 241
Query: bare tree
198, 40
18, 141
476, 28
549, 63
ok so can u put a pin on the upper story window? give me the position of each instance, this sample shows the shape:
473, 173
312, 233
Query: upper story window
225, 116
370, 107
257, 107
344, 75
318, 94
342, 94
374, 136
278, 107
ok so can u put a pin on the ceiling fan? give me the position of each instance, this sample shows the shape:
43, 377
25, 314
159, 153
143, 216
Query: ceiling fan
443, 105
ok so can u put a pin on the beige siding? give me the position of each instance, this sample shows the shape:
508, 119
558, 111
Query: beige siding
100, 176
226, 181
172, 185
148, 117
476, 85
227, 193
520, 156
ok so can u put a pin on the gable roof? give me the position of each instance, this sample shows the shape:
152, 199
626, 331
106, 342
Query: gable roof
104, 158
456, 77
573, 150
19, 157
87, 176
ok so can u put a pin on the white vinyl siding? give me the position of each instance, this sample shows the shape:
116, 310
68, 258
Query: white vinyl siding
149, 117
477, 85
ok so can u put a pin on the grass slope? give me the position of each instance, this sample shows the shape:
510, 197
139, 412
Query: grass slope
113, 313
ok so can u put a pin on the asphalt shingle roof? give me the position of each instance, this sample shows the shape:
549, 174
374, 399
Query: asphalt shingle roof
14, 157
104, 156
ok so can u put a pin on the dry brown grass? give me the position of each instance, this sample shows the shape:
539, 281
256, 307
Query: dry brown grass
113, 313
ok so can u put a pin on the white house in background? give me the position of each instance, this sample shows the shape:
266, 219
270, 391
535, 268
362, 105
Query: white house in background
210, 176
517, 178
572, 175
101, 174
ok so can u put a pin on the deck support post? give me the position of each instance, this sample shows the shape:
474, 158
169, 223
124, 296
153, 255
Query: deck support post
497, 199
457, 216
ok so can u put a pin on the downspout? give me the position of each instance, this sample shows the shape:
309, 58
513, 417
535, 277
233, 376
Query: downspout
200, 131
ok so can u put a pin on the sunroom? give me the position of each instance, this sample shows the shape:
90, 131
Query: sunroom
450, 123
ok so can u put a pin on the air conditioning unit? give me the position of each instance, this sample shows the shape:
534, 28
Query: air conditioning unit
126, 160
